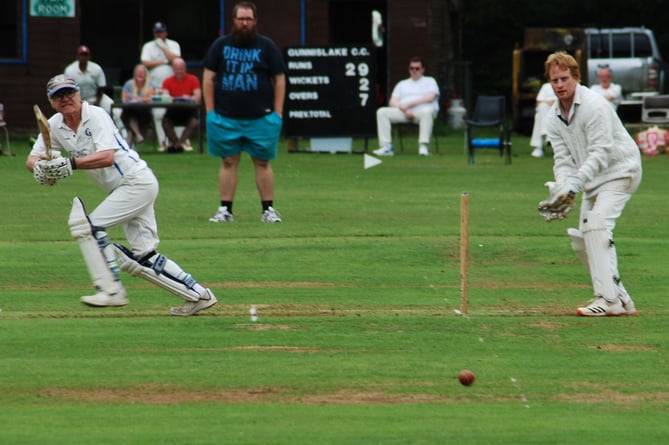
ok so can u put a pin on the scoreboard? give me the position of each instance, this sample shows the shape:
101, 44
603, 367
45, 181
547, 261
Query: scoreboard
330, 91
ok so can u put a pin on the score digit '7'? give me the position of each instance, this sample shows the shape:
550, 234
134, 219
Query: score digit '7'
362, 70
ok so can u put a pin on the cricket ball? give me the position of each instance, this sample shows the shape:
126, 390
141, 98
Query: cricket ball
466, 377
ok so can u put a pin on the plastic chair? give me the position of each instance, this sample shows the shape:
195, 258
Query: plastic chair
655, 109
490, 111
3, 124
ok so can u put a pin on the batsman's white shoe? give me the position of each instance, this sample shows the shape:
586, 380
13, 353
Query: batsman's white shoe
601, 308
384, 151
270, 215
103, 299
222, 215
423, 151
193, 307
630, 309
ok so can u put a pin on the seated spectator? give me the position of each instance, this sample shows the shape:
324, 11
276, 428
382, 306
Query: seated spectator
611, 91
545, 99
415, 99
91, 79
137, 90
182, 87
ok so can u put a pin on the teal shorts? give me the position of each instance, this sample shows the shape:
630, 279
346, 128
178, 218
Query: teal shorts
258, 137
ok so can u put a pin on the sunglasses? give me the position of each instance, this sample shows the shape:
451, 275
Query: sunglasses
61, 94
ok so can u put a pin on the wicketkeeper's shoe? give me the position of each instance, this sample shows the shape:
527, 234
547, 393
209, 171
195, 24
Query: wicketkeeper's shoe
270, 215
193, 307
601, 308
222, 215
103, 299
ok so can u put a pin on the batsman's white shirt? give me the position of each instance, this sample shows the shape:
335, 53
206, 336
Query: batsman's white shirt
131, 185
96, 133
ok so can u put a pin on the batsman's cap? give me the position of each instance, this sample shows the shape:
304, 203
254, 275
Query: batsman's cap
60, 82
159, 27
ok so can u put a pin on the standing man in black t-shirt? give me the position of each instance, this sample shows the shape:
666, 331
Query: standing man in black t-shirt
244, 86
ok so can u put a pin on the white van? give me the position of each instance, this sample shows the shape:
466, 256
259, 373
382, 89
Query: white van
633, 56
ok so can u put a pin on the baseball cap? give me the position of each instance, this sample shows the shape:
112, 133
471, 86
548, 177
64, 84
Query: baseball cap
59, 82
159, 27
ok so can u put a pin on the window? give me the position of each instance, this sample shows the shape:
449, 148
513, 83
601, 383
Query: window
642, 46
13, 31
621, 45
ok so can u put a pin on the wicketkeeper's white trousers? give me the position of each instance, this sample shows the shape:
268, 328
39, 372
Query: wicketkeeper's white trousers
386, 116
609, 200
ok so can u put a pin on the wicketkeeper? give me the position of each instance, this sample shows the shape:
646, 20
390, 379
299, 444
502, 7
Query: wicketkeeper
88, 135
593, 153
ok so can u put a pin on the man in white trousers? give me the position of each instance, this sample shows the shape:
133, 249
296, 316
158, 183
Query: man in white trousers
95, 145
415, 99
592, 153
157, 56
544, 101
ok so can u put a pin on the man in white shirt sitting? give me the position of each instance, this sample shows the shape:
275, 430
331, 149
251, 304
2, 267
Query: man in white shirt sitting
415, 99
611, 91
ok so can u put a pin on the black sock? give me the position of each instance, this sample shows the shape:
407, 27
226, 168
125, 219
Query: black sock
266, 205
227, 204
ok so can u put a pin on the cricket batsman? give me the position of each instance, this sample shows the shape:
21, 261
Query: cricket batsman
94, 145
594, 154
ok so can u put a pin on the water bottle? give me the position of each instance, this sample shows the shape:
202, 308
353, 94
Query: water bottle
254, 313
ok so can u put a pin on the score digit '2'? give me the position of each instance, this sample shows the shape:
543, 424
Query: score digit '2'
361, 70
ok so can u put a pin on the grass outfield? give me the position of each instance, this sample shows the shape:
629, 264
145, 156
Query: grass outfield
357, 341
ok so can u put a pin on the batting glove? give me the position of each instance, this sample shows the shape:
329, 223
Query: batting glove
58, 168
39, 173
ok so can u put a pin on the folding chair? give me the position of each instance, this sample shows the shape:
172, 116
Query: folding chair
490, 111
3, 124
655, 109
402, 128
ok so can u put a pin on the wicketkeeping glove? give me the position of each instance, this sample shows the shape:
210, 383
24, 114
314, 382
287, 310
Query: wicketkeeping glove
559, 203
39, 173
58, 168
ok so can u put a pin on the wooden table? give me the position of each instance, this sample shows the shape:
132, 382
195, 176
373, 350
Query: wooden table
169, 106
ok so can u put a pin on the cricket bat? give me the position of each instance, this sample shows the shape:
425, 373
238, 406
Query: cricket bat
44, 129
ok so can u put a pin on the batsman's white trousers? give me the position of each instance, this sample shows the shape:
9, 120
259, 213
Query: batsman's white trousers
130, 205
386, 116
